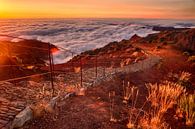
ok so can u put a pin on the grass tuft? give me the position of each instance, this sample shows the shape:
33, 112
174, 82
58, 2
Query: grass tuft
186, 107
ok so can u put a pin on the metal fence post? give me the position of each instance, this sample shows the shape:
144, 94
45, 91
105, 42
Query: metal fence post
104, 69
51, 68
72, 62
96, 66
10, 63
81, 66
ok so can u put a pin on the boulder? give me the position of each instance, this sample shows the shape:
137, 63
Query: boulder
22, 118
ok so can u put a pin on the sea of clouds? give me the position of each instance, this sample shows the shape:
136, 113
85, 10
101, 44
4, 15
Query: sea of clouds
78, 35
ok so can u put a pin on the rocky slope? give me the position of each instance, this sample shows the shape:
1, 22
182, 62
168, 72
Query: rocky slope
183, 39
124, 51
24, 56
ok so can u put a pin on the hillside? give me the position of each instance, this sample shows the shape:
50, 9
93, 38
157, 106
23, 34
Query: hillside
183, 39
102, 105
24, 57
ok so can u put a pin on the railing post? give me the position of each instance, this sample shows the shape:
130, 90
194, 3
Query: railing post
104, 67
10, 63
72, 62
96, 66
81, 66
51, 68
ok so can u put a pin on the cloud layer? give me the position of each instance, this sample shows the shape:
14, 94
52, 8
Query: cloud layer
79, 35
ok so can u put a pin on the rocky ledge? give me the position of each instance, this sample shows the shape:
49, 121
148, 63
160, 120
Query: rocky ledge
25, 57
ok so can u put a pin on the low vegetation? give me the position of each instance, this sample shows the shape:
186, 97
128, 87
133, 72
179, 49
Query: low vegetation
191, 59
186, 109
161, 97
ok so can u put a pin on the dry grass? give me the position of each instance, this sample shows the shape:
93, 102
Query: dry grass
39, 109
186, 107
191, 59
184, 77
111, 97
42, 107
152, 122
163, 96
129, 92
184, 80
44, 93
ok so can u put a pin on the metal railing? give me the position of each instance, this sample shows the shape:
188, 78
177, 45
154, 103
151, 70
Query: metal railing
78, 70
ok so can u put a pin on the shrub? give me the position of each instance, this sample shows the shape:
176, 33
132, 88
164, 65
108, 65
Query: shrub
185, 76
184, 80
162, 39
191, 59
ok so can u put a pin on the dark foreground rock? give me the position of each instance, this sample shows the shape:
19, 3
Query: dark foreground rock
25, 57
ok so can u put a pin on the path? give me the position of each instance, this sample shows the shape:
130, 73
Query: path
92, 110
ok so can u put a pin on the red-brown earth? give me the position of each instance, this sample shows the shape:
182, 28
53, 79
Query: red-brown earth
25, 58
92, 110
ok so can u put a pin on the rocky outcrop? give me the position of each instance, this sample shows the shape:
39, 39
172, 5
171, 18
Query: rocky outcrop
22, 117
135, 38
181, 39
28, 113
26, 57
25, 51
169, 28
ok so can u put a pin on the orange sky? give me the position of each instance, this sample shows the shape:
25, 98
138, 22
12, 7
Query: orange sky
178, 9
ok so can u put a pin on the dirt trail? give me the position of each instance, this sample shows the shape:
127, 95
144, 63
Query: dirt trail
92, 110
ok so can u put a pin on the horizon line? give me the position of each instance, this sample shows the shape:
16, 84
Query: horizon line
183, 19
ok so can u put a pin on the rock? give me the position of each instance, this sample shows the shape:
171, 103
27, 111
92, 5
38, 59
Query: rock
7, 84
22, 117
50, 106
135, 54
81, 92
3, 122
169, 28
32, 83
135, 38
65, 96
77, 69
5, 109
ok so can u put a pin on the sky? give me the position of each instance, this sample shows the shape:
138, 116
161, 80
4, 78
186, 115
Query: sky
163, 9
